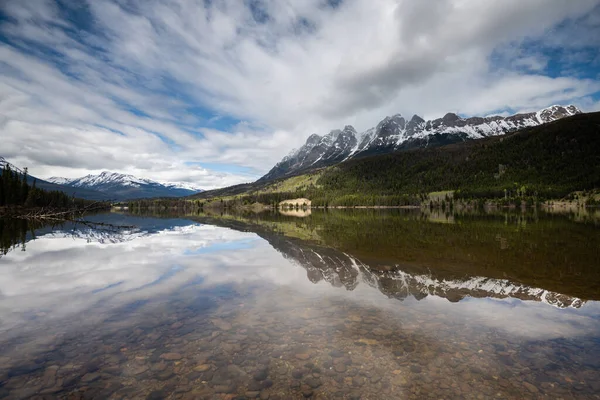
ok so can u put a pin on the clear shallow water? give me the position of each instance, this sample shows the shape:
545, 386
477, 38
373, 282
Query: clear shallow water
347, 304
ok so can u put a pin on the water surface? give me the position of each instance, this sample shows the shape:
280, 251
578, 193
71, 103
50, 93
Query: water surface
346, 304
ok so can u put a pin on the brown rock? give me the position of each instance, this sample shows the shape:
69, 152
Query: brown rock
264, 395
341, 367
530, 387
171, 356
221, 324
90, 377
202, 367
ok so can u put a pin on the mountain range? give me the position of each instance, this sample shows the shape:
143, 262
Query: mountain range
121, 186
109, 186
395, 133
391, 135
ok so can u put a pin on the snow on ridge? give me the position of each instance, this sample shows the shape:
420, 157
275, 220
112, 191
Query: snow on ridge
115, 178
182, 185
111, 178
59, 180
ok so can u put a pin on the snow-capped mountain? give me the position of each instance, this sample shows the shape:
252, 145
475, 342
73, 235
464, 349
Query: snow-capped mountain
59, 185
121, 186
395, 133
59, 181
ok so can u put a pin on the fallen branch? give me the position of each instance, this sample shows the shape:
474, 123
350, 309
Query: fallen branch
56, 215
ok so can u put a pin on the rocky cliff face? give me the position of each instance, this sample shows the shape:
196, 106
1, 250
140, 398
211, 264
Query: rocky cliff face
395, 133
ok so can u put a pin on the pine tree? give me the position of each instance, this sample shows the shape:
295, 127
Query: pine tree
24, 187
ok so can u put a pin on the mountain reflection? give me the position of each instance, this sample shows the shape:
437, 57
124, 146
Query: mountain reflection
341, 269
100, 228
413, 257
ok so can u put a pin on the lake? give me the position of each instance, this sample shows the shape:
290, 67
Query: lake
339, 304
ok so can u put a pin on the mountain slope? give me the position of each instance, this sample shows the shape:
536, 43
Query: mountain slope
120, 186
543, 162
548, 161
395, 133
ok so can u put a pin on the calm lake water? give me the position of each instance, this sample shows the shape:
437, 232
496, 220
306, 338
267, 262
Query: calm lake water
345, 304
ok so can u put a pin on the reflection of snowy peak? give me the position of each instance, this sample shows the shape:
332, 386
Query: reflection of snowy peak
97, 235
116, 229
396, 133
122, 186
455, 290
342, 270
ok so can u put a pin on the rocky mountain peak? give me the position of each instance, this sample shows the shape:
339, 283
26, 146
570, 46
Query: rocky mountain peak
415, 125
333, 134
450, 118
349, 129
416, 119
555, 112
394, 119
313, 139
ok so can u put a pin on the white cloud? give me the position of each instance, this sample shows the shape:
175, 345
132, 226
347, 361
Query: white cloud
92, 87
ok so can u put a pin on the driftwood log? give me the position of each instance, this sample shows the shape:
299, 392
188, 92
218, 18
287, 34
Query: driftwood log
60, 214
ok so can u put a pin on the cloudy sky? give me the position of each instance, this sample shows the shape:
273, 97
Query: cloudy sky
215, 92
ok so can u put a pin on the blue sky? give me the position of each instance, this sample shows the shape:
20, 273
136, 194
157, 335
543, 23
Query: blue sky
216, 92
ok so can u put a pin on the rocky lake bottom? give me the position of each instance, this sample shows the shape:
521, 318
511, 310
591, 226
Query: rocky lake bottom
256, 309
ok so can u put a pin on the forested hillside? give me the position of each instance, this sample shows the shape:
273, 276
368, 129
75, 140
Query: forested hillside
550, 161
16, 192
545, 162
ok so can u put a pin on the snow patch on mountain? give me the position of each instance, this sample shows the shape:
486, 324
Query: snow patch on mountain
182, 185
59, 180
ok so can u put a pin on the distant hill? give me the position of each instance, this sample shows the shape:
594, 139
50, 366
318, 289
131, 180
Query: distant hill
123, 187
395, 133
